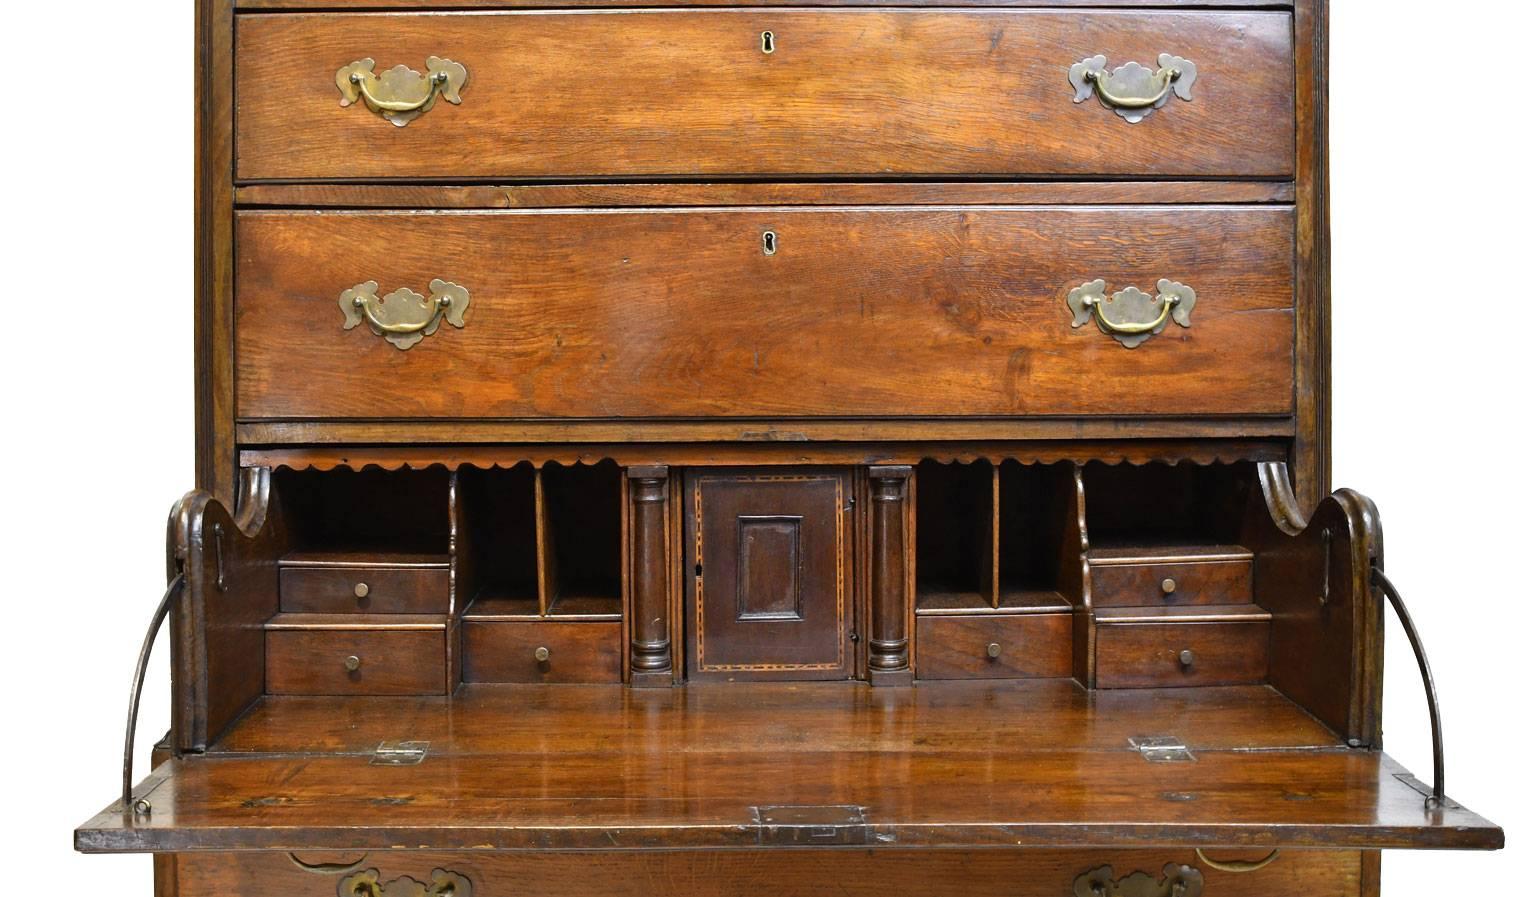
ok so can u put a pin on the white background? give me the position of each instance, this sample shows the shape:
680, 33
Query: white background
1432, 206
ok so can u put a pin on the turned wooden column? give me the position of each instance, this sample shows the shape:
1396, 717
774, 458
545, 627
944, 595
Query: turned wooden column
650, 641
890, 660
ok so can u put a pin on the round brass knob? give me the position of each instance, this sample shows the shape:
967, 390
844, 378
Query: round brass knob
1169, 586
1186, 658
361, 590
994, 650
541, 654
353, 663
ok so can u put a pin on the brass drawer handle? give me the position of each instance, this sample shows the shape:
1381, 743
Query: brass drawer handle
1131, 316
400, 94
404, 317
353, 663
1133, 91
1238, 867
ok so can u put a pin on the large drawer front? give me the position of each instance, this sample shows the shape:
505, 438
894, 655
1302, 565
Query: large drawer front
857, 313
692, 93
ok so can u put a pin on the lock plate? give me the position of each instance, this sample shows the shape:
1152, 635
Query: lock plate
1162, 749
400, 753
811, 826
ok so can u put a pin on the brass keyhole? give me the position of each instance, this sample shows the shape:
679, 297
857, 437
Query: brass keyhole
770, 242
769, 42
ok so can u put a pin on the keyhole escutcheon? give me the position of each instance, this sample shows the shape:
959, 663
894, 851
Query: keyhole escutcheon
770, 242
770, 43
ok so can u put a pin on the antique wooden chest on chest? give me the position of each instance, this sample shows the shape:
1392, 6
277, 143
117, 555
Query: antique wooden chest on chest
733, 449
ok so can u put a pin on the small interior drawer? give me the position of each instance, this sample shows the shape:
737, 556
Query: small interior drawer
995, 646
1152, 654
378, 589
542, 651
321, 661
1160, 582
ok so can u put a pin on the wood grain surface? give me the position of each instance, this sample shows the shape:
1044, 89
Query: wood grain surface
877, 312
847, 92
641, 769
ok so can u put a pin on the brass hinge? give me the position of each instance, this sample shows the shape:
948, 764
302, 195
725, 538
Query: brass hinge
810, 826
400, 753
1162, 749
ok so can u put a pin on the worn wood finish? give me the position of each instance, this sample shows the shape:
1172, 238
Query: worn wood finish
1147, 655
334, 589
1030, 716
855, 873
393, 661
578, 652
970, 302
967, 785
771, 557
1029, 646
1142, 583
889, 193
846, 92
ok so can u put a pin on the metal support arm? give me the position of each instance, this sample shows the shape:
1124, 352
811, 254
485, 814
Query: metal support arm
1380, 580
137, 690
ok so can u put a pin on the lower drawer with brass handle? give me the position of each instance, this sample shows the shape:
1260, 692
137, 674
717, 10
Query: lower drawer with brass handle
543, 651
1155, 655
783, 312
335, 661
995, 646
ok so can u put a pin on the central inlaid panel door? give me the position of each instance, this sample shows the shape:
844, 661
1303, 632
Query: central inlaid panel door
772, 574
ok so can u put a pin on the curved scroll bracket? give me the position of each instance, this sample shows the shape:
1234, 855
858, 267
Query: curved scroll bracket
1133, 91
1178, 881
404, 317
400, 95
1131, 316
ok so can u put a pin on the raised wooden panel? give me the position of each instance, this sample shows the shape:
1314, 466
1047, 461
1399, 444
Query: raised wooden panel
772, 593
845, 92
859, 313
